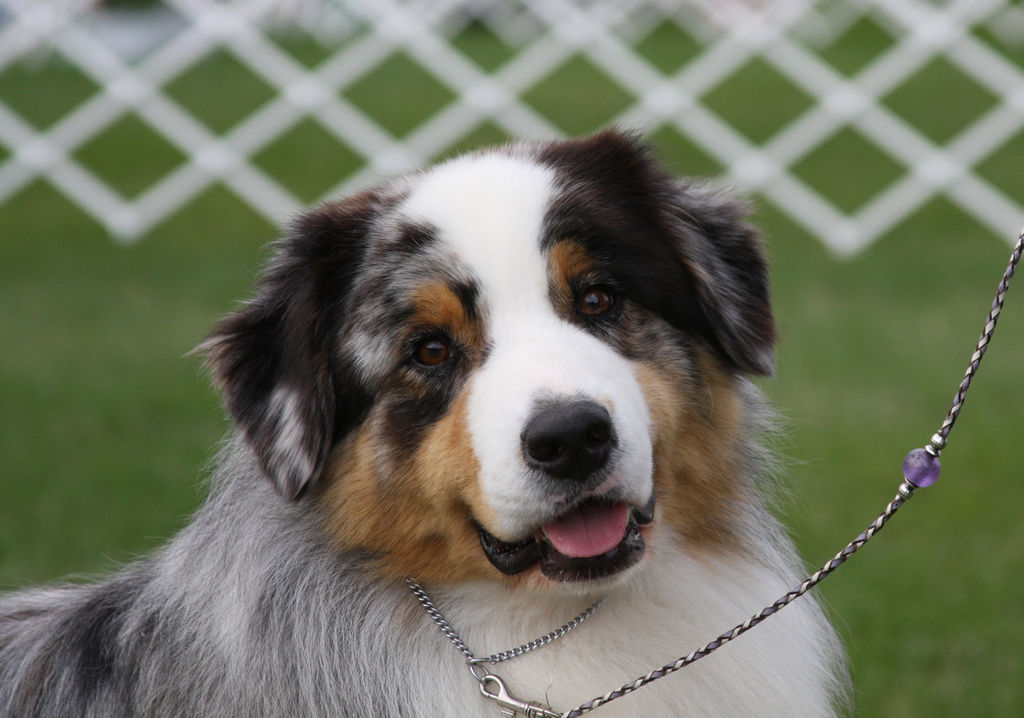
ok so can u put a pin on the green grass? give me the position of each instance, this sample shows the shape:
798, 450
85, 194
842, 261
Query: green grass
870, 355
105, 425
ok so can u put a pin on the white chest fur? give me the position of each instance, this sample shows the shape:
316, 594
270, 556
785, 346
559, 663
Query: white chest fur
784, 667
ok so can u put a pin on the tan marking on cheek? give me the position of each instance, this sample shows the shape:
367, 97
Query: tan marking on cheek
417, 521
697, 430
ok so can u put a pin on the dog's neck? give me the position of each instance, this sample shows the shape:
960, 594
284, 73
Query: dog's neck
662, 612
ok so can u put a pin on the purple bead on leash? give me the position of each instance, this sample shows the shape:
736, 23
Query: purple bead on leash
921, 468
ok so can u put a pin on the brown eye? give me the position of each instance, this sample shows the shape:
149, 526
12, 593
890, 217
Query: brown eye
596, 301
432, 352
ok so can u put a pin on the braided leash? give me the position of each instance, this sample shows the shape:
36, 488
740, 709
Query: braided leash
986, 336
817, 577
921, 468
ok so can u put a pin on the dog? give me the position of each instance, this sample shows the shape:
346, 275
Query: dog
521, 378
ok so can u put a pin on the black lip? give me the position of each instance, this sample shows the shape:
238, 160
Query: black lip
509, 558
515, 557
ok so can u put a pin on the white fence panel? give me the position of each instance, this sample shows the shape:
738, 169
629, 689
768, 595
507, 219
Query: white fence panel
130, 61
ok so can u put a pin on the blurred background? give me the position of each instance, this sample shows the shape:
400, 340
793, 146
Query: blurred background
150, 149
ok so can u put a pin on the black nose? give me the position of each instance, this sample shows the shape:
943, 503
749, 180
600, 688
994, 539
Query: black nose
569, 440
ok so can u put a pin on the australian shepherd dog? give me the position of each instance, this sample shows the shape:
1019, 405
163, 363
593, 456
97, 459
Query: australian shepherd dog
521, 378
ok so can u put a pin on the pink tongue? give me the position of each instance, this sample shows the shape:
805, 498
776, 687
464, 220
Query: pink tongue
589, 530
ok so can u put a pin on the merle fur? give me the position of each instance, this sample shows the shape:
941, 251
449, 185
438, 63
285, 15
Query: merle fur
250, 610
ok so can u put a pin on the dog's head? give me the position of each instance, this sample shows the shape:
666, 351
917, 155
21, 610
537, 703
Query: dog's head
517, 364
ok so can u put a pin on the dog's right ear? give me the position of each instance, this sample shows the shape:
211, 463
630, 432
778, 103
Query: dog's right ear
275, 359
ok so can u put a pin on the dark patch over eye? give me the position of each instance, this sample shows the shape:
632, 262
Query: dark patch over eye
596, 301
432, 351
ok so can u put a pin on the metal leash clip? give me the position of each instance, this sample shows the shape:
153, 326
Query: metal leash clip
509, 705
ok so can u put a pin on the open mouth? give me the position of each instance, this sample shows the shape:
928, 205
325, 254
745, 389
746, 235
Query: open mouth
593, 540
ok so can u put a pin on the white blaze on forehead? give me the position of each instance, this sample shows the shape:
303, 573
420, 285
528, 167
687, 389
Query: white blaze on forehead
489, 209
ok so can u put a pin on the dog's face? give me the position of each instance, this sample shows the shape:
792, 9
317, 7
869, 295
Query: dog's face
519, 365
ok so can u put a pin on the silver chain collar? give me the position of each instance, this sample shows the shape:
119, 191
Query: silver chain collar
446, 628
920, 472
492, 686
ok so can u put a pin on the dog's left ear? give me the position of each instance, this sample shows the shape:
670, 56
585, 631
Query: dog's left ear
701, 267
724, 255
275, 359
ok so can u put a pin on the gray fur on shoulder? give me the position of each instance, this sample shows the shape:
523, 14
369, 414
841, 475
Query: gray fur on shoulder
245, 613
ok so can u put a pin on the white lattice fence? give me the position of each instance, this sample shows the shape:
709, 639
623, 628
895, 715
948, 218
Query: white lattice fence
914, 99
